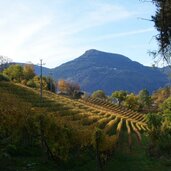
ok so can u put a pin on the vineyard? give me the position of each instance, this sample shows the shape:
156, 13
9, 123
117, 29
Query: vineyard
88, 113
109, 117
67, 127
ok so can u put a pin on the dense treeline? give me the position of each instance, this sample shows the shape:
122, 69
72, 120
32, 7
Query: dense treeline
25, 75
142, 102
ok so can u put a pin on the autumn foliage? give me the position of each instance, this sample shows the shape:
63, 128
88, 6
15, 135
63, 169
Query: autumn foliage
68, 87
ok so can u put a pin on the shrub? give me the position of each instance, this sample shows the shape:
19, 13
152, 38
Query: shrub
99, 94
31, 83
3, 77
160, 134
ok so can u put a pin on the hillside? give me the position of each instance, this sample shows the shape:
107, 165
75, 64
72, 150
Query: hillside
100, 70
22, 109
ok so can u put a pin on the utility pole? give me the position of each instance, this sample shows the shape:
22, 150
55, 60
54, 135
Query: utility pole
41, 63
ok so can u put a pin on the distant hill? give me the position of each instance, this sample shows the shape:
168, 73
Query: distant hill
107, 71
45, 71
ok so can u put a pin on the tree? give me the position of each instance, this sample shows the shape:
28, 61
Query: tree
73, 88
166, 106
28, 71
36, 80
144, 99
51, 84
131, 102
159, 134
99, 94
119, 95
62, 86
160, 126
162, 23
161, 95
14, 72
3, 77
4, 61
68, 87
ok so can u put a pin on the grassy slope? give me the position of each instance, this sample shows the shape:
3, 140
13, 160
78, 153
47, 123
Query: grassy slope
121, 160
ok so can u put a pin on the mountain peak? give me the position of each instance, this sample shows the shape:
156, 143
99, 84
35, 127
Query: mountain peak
109, 72
92, 51
104, 58
98, 53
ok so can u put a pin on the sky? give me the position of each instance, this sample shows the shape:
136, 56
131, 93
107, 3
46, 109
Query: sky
58, 31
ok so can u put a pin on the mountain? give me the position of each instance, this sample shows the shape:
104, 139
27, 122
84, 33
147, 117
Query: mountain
108, 71
45, 71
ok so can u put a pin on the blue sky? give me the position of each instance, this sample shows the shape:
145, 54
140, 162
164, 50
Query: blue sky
60, 30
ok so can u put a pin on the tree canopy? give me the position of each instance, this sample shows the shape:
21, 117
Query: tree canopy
99, 94
119, 95
144, 99
28, 71
14, 72
68, 87
162, 23
4, 61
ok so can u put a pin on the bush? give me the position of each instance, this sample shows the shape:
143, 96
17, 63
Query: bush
99, 94
31, 83
24, 82
160, 134
3, 77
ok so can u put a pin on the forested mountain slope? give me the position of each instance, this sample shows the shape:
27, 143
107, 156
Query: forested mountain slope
100, 70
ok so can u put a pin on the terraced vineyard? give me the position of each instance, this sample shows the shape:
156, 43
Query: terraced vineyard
69, 131
112, 119
86, 114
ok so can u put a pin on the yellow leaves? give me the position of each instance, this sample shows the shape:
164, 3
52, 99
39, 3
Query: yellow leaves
84, 137
67, 87
62, 85
129, 132
128, 127
136, 132
110, 124
119, 127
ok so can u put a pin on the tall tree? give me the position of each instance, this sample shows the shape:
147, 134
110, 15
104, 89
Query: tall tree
162, 21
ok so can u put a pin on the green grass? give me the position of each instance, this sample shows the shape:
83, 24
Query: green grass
137, 160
